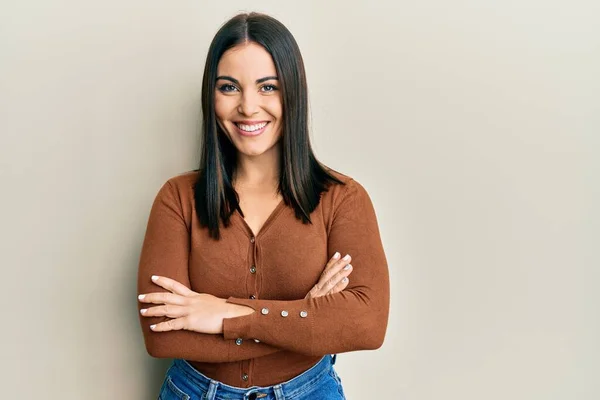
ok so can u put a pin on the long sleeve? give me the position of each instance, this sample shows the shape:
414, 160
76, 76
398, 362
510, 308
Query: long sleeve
165, 252
354, 319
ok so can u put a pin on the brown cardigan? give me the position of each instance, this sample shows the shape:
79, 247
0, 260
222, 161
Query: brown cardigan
270, 273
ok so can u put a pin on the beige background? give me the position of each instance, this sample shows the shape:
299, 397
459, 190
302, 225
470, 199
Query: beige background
474, 125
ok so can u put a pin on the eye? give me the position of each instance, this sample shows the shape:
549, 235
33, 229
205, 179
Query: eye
227, 87
269, 88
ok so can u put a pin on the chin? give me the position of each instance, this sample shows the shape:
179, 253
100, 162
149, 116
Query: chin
253, 152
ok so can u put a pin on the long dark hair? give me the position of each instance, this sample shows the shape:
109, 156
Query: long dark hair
302, 177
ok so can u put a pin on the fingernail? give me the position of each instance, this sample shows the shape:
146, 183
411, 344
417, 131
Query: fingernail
152, 326
347, 267
141, 296
336, 255
154, 278
345, 280
346, 257
143, 311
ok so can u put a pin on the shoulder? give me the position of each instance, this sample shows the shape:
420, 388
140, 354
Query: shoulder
349, 184
350, 190
178, 188
183, 181
177, 195
347, 202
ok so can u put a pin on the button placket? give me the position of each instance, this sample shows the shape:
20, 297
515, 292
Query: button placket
253, 275
252, 268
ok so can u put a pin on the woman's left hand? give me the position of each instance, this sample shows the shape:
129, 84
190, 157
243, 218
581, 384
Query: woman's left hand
199, 312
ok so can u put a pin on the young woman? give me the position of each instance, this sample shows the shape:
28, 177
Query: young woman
260, 266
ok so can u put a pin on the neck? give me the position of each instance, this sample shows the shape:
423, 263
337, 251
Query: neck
258, 171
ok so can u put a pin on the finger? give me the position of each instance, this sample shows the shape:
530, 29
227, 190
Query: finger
171, 325
333, 260
331, 268
336, 268
314, 292
170, 311
336, 265
329, 289
172, 285
341, 274
340, 286
329, 285
163, 298
338, 276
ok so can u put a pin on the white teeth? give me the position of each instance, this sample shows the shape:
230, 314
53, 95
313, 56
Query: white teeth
251, 128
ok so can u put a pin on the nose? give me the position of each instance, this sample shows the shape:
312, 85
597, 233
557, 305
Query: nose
249, 103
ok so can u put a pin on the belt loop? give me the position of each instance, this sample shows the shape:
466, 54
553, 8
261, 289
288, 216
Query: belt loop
278, 392
212, 390
333, 357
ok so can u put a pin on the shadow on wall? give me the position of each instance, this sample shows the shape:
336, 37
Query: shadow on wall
156, 369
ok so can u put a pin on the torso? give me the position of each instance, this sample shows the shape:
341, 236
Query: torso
288, 256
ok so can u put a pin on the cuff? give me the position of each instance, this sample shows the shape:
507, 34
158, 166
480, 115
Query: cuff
239, 327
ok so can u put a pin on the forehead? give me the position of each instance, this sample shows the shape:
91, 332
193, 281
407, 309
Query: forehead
248, 60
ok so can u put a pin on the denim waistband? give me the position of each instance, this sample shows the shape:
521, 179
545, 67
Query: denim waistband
281, 391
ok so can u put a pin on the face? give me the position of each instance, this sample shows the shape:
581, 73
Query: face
248, 102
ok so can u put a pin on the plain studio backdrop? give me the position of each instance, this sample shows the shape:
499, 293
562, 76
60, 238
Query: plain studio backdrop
474, 125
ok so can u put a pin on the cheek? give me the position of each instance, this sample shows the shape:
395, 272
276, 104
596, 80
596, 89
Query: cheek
222, 107
221, 114
275, 108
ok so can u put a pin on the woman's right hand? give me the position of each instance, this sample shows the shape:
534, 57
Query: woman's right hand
334, 278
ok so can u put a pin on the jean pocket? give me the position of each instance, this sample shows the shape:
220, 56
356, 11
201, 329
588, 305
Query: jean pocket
171, 392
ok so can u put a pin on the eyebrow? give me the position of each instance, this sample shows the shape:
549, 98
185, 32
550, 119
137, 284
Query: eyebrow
261, 80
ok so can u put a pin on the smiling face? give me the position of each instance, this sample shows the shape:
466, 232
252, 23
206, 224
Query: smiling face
248, 102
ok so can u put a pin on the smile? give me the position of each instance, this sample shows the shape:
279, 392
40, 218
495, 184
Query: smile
251, 130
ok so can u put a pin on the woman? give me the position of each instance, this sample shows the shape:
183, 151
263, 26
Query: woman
241, 278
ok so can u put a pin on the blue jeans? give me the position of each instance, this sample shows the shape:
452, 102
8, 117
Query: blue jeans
184, 382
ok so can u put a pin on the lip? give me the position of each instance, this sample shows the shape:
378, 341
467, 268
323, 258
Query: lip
254, 133
250, 122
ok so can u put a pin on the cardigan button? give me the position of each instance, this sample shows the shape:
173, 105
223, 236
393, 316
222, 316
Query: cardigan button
264, 311
238, 341
253, 269
284, 313
303, 314
252, 297
245, 377
252, 239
